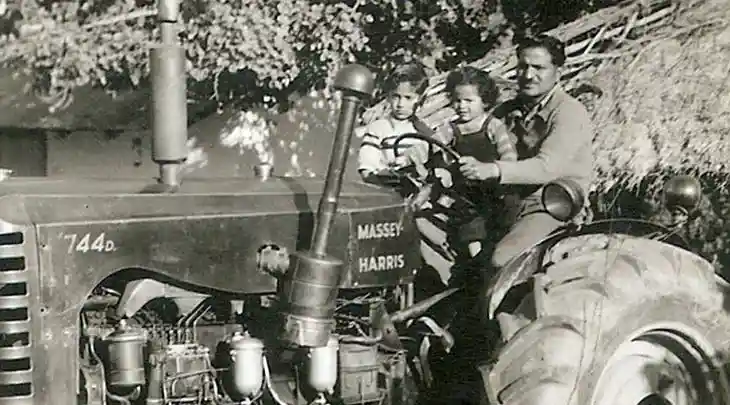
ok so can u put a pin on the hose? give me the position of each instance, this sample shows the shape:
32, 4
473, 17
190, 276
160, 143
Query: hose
125, 399
364, 340
269, 384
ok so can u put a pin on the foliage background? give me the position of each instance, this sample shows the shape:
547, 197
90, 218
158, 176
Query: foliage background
259, 51
264, 55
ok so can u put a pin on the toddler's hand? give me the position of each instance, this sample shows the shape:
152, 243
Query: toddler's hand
416, 154
444, 177
400, 162
418, 200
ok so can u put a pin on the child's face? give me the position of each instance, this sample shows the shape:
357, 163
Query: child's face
403, 101
467, 102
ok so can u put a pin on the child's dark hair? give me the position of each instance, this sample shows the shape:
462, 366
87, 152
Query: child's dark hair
486, 86
552, 45
412, 73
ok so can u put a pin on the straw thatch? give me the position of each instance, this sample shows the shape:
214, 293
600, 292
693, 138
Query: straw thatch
668, 108
662, 67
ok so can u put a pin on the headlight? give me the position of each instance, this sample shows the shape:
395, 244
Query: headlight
682, 193
563, 199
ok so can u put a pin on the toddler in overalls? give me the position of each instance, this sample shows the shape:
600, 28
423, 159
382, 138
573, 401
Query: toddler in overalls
476, 133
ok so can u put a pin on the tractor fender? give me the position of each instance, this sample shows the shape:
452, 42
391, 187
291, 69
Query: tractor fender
532, 260
519, 270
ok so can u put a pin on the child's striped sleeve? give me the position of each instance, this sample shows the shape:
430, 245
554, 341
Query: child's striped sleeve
370, 156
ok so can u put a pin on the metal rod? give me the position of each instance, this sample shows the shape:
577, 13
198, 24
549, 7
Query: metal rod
335, 172
421, 307
310, 288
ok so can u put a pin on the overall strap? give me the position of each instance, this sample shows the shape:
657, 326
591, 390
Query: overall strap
485, 127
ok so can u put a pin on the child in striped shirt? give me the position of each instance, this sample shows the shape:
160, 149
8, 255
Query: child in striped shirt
405, 89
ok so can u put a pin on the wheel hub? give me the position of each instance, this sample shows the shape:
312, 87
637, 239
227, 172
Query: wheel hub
654, 399
657, 367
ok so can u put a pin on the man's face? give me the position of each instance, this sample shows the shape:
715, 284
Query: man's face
403, 101
536, 73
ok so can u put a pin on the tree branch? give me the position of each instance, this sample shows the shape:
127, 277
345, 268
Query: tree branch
27, 30
143, 13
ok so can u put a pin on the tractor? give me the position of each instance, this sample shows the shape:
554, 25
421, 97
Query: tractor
276, 290
203, 291
612, 311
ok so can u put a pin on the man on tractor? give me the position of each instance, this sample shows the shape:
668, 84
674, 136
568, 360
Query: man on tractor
554, 139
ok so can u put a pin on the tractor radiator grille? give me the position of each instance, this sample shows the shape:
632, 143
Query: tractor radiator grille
16, 368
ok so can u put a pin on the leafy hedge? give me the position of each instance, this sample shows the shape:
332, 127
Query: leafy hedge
256, 51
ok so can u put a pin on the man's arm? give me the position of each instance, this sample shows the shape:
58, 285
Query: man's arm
570, 131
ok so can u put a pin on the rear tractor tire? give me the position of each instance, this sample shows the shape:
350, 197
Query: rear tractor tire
634, 322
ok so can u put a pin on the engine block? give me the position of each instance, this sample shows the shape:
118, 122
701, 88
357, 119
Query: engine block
189, 374
358, 376
217, 355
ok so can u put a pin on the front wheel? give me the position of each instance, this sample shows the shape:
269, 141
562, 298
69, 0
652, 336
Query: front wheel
638, 322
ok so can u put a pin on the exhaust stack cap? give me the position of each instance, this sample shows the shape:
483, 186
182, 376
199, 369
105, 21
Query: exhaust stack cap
355, 78
5, 174
263, 171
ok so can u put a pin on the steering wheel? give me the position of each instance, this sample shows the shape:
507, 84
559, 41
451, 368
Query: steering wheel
444, 147
429, 140
405, 175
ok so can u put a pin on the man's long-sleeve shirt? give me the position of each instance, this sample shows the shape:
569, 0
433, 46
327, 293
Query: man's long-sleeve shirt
555, 142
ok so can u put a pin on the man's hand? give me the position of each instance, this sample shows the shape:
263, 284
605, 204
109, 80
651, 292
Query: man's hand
473, 169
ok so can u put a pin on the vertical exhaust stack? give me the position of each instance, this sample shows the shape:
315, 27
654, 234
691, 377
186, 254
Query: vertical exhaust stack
309, 290
169, 97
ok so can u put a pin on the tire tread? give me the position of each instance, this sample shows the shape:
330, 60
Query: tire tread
612, 283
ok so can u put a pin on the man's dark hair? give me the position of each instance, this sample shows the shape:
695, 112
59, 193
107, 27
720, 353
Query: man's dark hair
486, 86
552, 45
412, 73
